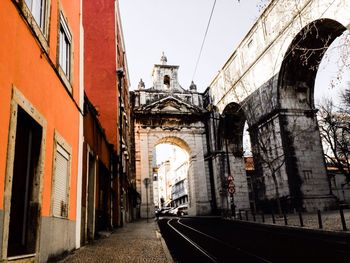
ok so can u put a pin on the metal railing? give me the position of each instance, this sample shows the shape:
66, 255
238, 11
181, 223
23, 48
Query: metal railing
334, 220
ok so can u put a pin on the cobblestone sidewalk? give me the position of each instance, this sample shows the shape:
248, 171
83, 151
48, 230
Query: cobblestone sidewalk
135, 242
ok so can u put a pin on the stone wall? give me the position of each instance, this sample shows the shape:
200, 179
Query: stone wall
57, 236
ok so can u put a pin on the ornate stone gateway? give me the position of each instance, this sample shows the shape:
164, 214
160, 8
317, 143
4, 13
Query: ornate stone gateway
167, 113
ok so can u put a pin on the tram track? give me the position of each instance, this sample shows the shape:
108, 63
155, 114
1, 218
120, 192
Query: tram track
212, 239
238, 249
212, 248
194, 244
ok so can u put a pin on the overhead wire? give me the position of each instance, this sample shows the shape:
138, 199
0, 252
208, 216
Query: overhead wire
204, 38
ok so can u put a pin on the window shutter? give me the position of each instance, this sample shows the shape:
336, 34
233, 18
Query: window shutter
60, 204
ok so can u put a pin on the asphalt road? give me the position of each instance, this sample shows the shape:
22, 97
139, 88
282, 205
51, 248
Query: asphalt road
219, 240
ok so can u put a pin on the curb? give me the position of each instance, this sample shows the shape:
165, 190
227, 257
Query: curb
168, 256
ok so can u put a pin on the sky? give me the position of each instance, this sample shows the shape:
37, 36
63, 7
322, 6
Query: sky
166, 152
332, 76
177, 27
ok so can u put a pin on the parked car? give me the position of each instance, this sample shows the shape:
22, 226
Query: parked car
173, 211
182, 210
163, 211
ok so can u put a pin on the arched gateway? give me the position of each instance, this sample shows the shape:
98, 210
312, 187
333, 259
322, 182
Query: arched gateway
167, 113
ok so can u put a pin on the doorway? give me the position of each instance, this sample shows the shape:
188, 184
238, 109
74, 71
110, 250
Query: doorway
102, 209
91, 198
25, 208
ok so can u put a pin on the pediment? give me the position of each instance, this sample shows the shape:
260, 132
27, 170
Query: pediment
170, 108
171, 104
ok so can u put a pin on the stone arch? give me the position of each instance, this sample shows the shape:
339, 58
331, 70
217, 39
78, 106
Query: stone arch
183, 145
231, 129
301, 61
229, 159
276, 92
193, 142
180, 140
299, 134
175, 140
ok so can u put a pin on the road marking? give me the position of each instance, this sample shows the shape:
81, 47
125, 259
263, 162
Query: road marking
193, 243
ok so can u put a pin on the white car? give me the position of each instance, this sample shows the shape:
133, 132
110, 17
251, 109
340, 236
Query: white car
181, 210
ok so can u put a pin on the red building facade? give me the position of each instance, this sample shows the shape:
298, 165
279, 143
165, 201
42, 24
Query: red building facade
106, 85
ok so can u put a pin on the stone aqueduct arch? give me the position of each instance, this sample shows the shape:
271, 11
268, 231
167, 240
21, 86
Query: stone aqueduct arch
266, 45
271, 76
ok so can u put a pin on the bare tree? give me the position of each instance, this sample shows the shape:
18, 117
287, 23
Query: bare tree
270, 155
345, 98
334, 126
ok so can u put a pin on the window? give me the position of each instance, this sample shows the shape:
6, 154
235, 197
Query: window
61, 182
37, 15
65, 42
37, 8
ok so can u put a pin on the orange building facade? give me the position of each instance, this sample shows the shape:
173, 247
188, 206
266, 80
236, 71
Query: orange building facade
41, 127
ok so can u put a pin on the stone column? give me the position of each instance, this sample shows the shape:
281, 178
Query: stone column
144, 173
192, 204
305, 164
241, 196
237, 167
200, 176
219, 165
268, 148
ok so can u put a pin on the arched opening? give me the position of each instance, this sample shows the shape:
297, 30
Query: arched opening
255, 180
170, 167
231, 127
333, 75
166, 81
300, 136
301, 63
332, 88
231, 161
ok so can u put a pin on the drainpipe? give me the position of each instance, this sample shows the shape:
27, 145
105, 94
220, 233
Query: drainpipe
120, 74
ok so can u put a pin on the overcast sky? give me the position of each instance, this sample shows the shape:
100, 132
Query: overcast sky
177, 27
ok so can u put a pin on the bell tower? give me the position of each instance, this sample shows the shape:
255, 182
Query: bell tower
164, 76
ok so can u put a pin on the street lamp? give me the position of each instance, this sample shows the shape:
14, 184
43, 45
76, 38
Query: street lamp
146, 182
